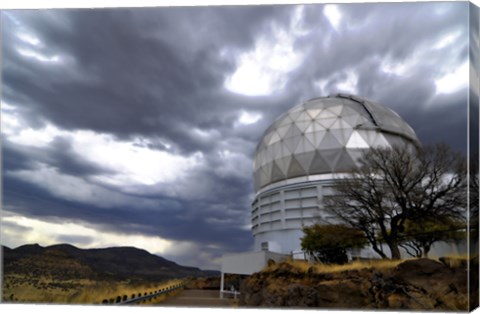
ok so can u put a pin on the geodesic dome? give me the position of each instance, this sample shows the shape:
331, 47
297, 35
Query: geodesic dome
326, 135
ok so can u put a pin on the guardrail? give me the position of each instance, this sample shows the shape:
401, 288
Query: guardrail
122, 300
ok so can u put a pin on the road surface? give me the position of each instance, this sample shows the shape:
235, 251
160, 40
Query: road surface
197, 298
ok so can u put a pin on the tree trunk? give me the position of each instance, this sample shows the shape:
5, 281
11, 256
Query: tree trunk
394, 250
426, 249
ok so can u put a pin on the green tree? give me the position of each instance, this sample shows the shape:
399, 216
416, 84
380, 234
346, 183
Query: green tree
393, 185
419, 236
329, 243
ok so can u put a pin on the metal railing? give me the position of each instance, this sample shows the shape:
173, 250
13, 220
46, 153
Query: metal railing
147, 296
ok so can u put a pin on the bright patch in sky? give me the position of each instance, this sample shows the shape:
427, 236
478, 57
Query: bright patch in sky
28, 38
263, 70
454, 80
447, 40
48, 233
333, 15
247, 118
131, 163
38, 56
349, 84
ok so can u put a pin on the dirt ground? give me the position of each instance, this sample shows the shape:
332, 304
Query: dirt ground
198, 298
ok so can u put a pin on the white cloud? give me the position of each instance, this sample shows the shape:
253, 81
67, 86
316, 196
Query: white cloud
333, 14
447, 40
29, 38
263, 70
247, 118
350, 83
131, 163
38, 56
454, 80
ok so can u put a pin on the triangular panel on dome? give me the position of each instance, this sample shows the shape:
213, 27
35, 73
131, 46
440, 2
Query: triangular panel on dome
303, 125
347, 110
344, 162
259, 160
268, 169
313, 113
282, 130
331, 157
309, 142
355, 154
310, 128
284, 151
357, 141
336, 110
329, 142
368, 135
342, 135
381, 141
325, 114
285, 122
304, 117
327, 122
300, 146
293, 131
318, 137
274, 138
277, 173
311, 138
275, 150
291, 143
363, 122
339, 124
283, 163
264, 176
294, 115
295, 169
318, 164
305, 160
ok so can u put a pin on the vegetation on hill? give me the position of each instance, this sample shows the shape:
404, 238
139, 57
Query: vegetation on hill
66, 274
416, 284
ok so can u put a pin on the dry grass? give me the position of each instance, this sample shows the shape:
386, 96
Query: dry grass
325, 268
379, 264
45, 290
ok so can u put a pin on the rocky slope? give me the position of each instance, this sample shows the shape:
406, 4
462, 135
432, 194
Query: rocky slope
414, 284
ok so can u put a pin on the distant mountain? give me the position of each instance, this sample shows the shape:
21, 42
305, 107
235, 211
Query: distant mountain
65, 261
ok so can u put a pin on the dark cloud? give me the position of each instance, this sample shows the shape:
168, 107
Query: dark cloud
158, 74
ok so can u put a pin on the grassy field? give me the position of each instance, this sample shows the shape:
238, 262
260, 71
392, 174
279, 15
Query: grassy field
17, 289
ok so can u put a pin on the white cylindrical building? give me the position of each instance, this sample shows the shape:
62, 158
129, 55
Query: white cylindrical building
302, 154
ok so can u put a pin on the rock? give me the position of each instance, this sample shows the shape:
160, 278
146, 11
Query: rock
420, 284
454, 262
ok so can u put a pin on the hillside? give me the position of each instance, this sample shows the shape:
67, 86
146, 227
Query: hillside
417, 284
68, 262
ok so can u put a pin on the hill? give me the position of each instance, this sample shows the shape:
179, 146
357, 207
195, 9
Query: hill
416, 284
65, 261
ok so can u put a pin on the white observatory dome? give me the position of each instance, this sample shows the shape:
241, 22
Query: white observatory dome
304, 152
326, 135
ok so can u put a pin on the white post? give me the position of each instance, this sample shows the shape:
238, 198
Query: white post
221, 285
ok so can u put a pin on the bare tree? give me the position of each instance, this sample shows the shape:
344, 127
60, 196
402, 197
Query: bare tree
392, 185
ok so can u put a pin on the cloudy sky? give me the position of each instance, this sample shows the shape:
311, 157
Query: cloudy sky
137, 127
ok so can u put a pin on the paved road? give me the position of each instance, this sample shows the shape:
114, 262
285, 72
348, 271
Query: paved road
197, 298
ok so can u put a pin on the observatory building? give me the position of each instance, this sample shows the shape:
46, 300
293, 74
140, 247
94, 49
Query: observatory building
302, 154
298, 160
